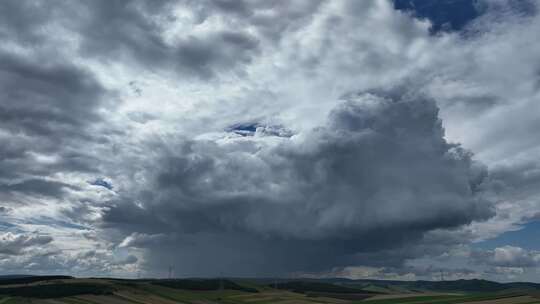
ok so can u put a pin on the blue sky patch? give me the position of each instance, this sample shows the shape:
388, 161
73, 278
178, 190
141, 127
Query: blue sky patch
446, 15
102, 183
245, 129
527, 238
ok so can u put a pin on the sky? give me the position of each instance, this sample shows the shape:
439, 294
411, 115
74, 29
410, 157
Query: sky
359, 139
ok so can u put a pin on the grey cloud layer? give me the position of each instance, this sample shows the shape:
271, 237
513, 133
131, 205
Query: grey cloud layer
46, 114
508, 256
14, 244
51, 114
134, 29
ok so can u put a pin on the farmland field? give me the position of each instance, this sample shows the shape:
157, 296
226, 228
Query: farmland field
67, 290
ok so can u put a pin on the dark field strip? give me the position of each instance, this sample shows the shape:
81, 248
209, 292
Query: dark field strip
28, 280
203, 285
51, 291
442, 299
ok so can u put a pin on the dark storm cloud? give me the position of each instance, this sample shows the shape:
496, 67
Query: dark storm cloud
46, 101
41, 98
321, 199
523, 178
48, 108
20, 20
515, 183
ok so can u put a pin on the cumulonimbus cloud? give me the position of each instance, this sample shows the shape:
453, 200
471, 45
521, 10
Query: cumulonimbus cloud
379, 169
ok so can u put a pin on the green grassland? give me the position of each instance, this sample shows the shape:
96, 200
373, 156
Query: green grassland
67, 290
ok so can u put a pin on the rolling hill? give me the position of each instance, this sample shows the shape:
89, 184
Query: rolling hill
69, 290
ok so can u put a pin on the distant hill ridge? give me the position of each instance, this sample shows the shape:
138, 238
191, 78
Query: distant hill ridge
473, 285
341, 285
27, 279
14, 276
